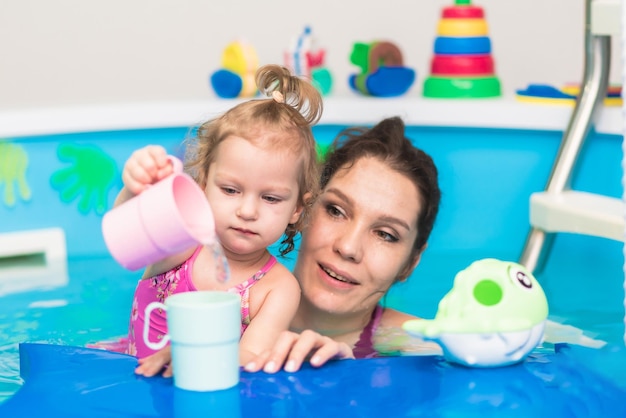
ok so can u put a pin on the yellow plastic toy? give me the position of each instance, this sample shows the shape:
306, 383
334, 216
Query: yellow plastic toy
236, 77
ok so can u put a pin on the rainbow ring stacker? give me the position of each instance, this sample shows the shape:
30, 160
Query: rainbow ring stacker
462, 87
451, 45
462, 27
462, 66
460, 11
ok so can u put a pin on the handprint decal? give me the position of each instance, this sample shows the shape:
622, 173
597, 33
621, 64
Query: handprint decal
89, 177
322, 150
13, 164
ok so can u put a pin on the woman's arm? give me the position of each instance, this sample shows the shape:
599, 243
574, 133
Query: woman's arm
289, 352
292, 349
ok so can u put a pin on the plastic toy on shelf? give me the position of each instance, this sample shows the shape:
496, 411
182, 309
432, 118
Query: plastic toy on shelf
383, 73
567, 95
494, 315
236, 76
306, 60
462, 65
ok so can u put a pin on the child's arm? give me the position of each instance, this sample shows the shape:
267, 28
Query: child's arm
273, 316
271, 320
144, 167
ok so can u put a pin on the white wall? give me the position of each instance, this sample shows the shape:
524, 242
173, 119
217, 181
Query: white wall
68, 52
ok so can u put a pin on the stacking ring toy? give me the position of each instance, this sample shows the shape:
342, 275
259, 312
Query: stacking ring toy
462, 27
461, 87
467, 46
462, 65
463, 12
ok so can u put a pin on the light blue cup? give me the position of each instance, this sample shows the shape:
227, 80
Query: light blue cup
204, 329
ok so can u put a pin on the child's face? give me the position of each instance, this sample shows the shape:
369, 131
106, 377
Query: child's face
253, 192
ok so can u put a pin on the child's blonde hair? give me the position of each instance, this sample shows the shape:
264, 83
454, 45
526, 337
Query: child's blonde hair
293, 108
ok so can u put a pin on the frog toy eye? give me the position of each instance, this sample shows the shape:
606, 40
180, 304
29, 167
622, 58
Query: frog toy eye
520, 278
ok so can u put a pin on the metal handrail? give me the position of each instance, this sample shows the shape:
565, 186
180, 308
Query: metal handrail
593, 89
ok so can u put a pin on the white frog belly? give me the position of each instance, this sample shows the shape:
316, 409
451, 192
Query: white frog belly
488, 349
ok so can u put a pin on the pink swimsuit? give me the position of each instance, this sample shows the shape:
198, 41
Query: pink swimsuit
364, 348
177, 280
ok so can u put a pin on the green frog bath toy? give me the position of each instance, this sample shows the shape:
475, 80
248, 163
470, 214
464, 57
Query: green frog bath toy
494, 315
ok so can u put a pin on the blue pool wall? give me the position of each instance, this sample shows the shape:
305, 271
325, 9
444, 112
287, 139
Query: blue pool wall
486, 177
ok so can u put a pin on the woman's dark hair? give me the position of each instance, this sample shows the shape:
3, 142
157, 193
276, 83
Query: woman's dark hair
387, 142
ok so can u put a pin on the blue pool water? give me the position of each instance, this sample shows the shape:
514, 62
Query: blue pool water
95, 306
486, 177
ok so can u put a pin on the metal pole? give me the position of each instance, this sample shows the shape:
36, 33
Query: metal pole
593, 89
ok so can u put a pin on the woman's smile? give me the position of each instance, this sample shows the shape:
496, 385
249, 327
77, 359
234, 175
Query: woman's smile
339, 279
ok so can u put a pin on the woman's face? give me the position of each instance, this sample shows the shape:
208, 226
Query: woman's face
359, 239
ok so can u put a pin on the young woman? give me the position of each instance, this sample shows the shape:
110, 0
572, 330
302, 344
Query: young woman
368, 229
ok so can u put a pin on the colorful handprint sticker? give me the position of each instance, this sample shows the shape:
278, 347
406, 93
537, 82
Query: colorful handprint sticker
13, 165
89, 177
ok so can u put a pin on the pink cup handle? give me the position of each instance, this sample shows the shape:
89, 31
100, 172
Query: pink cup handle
146, 327
177, 165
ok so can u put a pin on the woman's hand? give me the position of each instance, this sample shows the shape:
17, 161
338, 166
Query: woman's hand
154, 363
292, 349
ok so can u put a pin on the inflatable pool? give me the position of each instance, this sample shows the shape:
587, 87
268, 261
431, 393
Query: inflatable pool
491, 155
68, 382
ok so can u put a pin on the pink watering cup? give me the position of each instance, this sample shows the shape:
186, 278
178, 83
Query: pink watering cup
166, 218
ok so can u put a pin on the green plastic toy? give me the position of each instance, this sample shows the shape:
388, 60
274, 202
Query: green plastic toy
13, 165
382, 71
494, 315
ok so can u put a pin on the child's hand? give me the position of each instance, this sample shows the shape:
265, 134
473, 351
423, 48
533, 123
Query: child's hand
145, 166
154, 363
292, 349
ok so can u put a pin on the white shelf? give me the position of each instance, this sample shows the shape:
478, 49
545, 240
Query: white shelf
487, 113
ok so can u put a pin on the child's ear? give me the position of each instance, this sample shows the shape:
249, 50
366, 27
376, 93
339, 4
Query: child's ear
300, 208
